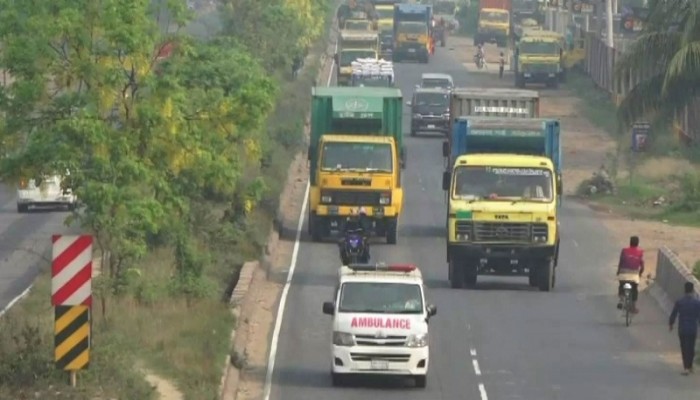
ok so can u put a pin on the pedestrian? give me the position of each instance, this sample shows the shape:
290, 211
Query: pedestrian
501, 65
687, 309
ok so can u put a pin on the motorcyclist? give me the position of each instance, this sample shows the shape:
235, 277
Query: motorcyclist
629, 269
479, 57
355, 225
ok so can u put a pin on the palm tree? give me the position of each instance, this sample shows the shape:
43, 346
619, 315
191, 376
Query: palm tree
667, 57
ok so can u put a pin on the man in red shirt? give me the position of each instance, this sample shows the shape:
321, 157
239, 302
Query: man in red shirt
631, 263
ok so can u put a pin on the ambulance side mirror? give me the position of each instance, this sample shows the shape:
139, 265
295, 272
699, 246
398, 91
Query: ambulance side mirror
431, 310
328, 308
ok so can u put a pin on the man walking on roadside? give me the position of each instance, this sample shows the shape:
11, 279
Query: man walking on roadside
687, 309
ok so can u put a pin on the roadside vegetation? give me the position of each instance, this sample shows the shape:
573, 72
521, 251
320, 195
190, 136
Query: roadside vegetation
178, 144
662, 183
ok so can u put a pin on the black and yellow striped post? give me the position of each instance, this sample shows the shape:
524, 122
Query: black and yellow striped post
72, 338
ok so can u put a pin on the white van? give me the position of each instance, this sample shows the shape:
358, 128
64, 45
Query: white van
380, 322
48, 193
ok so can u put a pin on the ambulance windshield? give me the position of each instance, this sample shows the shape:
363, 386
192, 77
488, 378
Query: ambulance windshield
381, 298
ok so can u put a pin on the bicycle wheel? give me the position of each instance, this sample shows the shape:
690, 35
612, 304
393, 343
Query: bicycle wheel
628, 312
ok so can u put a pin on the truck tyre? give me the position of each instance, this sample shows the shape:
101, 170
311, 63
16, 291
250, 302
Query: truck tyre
421, 381
533, 277
562, 76
22, 208
455, 274
413, 131
391, 230
470, 274
315, 228
546, 275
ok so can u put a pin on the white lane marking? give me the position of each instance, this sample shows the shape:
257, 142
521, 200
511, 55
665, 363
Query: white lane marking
15, 300
477, 370
472, 352
575, 243
290, 274
482, 392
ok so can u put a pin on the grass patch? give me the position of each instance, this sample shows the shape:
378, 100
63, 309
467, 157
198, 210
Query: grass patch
148, 323
597, 105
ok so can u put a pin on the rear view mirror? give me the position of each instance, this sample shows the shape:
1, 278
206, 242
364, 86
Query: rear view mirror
446, 180
445, 149
328, 308
560, 187
431, 310
402, 156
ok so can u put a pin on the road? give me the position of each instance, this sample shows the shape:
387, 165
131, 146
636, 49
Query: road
24, 240
502, 340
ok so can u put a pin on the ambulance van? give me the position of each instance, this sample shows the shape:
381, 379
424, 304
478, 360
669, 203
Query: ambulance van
380, 322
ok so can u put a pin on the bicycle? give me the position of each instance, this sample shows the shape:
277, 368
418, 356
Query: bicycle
627, 303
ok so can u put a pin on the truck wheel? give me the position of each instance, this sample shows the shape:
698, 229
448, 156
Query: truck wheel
315, 228
413, 131
421, 381
470, 275
532, 277
391, 230
546, 275
455, 274
22, 208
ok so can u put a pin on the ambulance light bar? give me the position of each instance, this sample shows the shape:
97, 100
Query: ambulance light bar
382, 267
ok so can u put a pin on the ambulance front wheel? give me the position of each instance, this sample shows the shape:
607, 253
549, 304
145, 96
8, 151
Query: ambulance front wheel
337, 379
421, 381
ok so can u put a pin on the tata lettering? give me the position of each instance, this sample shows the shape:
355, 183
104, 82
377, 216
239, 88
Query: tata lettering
387, 323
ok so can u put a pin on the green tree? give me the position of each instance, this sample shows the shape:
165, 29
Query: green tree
666, 55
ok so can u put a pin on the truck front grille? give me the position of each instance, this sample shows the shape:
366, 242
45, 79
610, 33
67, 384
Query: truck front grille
354, 198
370, 340
503, 231
463, 228
377, 356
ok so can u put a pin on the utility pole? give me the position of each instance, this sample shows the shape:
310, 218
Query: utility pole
609, 30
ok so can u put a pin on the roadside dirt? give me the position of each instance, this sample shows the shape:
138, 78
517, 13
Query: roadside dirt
586, 148
165, 388
258, 314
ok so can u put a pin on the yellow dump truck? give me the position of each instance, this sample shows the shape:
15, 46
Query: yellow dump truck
539, 58
494, 24
353, 45
504, 190
356, 156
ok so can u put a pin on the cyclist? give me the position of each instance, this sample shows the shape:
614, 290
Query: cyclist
629, 269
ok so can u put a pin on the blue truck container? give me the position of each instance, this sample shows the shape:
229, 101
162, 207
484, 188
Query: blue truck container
531, 136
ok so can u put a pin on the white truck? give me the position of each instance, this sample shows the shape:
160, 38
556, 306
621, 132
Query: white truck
49, 192
380, 322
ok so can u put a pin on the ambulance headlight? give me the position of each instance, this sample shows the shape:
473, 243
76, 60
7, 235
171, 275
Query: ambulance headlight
417, 340
343, 339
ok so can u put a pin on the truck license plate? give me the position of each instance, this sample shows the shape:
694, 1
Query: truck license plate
379, 365
411, 50
431, 126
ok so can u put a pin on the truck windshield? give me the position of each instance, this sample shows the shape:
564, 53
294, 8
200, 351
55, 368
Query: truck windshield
381, 298
358, 25
432, 99
385, 13
348, 56
492, 16
503, 183
539, 48
412, 28
370, 157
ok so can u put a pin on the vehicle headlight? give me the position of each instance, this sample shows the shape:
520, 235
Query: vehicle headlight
326, 198
343, 339
446, 116
540, 238
385, 199
417, 116
417, 340
462, 236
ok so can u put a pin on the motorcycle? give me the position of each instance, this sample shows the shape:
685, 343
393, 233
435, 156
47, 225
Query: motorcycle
479, 61
354, 248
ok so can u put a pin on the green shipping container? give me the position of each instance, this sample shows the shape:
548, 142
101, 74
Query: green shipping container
373, 111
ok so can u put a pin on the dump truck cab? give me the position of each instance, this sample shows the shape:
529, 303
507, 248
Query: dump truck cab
493, 27
412, 32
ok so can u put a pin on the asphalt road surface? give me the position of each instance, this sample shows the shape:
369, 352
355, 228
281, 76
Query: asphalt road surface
502, 340
25, 241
